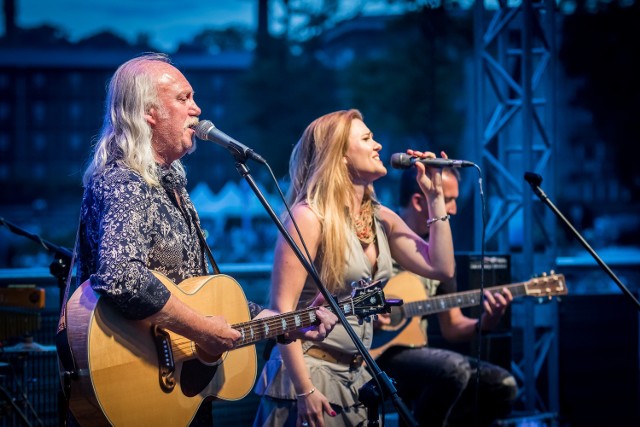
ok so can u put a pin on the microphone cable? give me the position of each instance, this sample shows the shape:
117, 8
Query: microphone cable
476, 392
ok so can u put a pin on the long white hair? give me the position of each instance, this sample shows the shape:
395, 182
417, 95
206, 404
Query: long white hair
125, 136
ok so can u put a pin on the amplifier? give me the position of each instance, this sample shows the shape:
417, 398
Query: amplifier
496, 346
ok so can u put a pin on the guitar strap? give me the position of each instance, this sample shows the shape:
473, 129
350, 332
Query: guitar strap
214, 265
65, 355
62, 321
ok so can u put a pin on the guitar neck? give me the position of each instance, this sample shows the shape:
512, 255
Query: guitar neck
269, 327
459, 299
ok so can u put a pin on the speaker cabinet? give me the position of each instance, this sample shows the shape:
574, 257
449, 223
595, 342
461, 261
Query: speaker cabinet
599, 360
496, 346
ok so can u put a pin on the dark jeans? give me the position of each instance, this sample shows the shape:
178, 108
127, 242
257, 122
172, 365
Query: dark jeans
440, 386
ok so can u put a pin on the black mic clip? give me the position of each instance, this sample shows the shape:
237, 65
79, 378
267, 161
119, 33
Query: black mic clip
534, 181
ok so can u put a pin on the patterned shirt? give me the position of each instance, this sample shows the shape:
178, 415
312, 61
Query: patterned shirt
129, 228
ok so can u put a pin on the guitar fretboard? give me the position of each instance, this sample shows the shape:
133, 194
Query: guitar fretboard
460, 299
257, 330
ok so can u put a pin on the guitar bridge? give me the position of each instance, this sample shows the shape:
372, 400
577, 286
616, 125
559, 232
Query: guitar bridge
166, 365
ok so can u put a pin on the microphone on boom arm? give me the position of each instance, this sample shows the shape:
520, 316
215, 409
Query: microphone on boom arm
207, 131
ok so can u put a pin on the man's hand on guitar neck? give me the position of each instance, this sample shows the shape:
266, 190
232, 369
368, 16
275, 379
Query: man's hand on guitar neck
495, 304
382, 319
214, 335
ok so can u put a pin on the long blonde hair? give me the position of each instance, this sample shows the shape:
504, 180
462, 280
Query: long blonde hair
320, 178
125, 136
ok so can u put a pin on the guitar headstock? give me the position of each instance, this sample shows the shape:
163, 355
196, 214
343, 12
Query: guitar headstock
547, 285
367, 299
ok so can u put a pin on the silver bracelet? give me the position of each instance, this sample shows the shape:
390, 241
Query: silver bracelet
436, 219
310, 392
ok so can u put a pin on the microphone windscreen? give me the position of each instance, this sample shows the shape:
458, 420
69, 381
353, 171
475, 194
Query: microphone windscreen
401, 161
202, 128
533, 178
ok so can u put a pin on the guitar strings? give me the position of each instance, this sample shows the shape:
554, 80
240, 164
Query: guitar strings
256, 330
262, 328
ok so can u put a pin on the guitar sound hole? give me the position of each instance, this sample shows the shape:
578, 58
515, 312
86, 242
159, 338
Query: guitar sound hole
396, 316
195, 376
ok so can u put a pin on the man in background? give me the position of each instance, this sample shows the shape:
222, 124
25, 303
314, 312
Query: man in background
440, 384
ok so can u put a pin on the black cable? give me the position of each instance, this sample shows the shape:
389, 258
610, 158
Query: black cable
482, 309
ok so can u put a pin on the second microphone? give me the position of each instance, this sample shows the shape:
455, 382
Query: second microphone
405, 161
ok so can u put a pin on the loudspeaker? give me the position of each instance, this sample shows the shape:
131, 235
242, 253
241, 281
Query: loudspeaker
599, 360
497, 271
495, 346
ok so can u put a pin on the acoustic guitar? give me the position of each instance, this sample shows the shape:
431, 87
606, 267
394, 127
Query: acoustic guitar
405, 329
132, 373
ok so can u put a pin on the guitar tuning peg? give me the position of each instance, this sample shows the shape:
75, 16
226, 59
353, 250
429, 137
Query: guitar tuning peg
552, 272
544, 274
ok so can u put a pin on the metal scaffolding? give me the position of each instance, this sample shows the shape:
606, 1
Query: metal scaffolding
515, 55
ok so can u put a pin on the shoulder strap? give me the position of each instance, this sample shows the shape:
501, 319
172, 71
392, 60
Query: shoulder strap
62, 321
214, 265
68, 369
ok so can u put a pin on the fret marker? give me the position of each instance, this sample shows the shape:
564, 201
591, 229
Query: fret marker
266, 329
284, 324
253, 335
312, 316
297, 320
347, 309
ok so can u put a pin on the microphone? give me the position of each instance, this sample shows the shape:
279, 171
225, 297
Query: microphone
404, 161
207, 131
534, 181
533, 178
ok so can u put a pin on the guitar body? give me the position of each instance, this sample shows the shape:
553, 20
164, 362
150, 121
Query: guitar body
403, 330
119, 361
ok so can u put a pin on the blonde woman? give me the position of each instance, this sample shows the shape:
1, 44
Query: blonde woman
350, 236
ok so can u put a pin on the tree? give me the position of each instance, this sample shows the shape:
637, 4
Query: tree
412, 89
213, 40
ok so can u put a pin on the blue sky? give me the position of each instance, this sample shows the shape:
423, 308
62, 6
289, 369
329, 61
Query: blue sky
167, 22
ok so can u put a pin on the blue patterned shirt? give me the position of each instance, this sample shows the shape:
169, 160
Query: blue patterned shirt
129, 228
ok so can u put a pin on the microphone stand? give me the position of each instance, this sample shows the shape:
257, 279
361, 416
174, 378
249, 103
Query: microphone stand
59, 268
375, 369
534, 181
